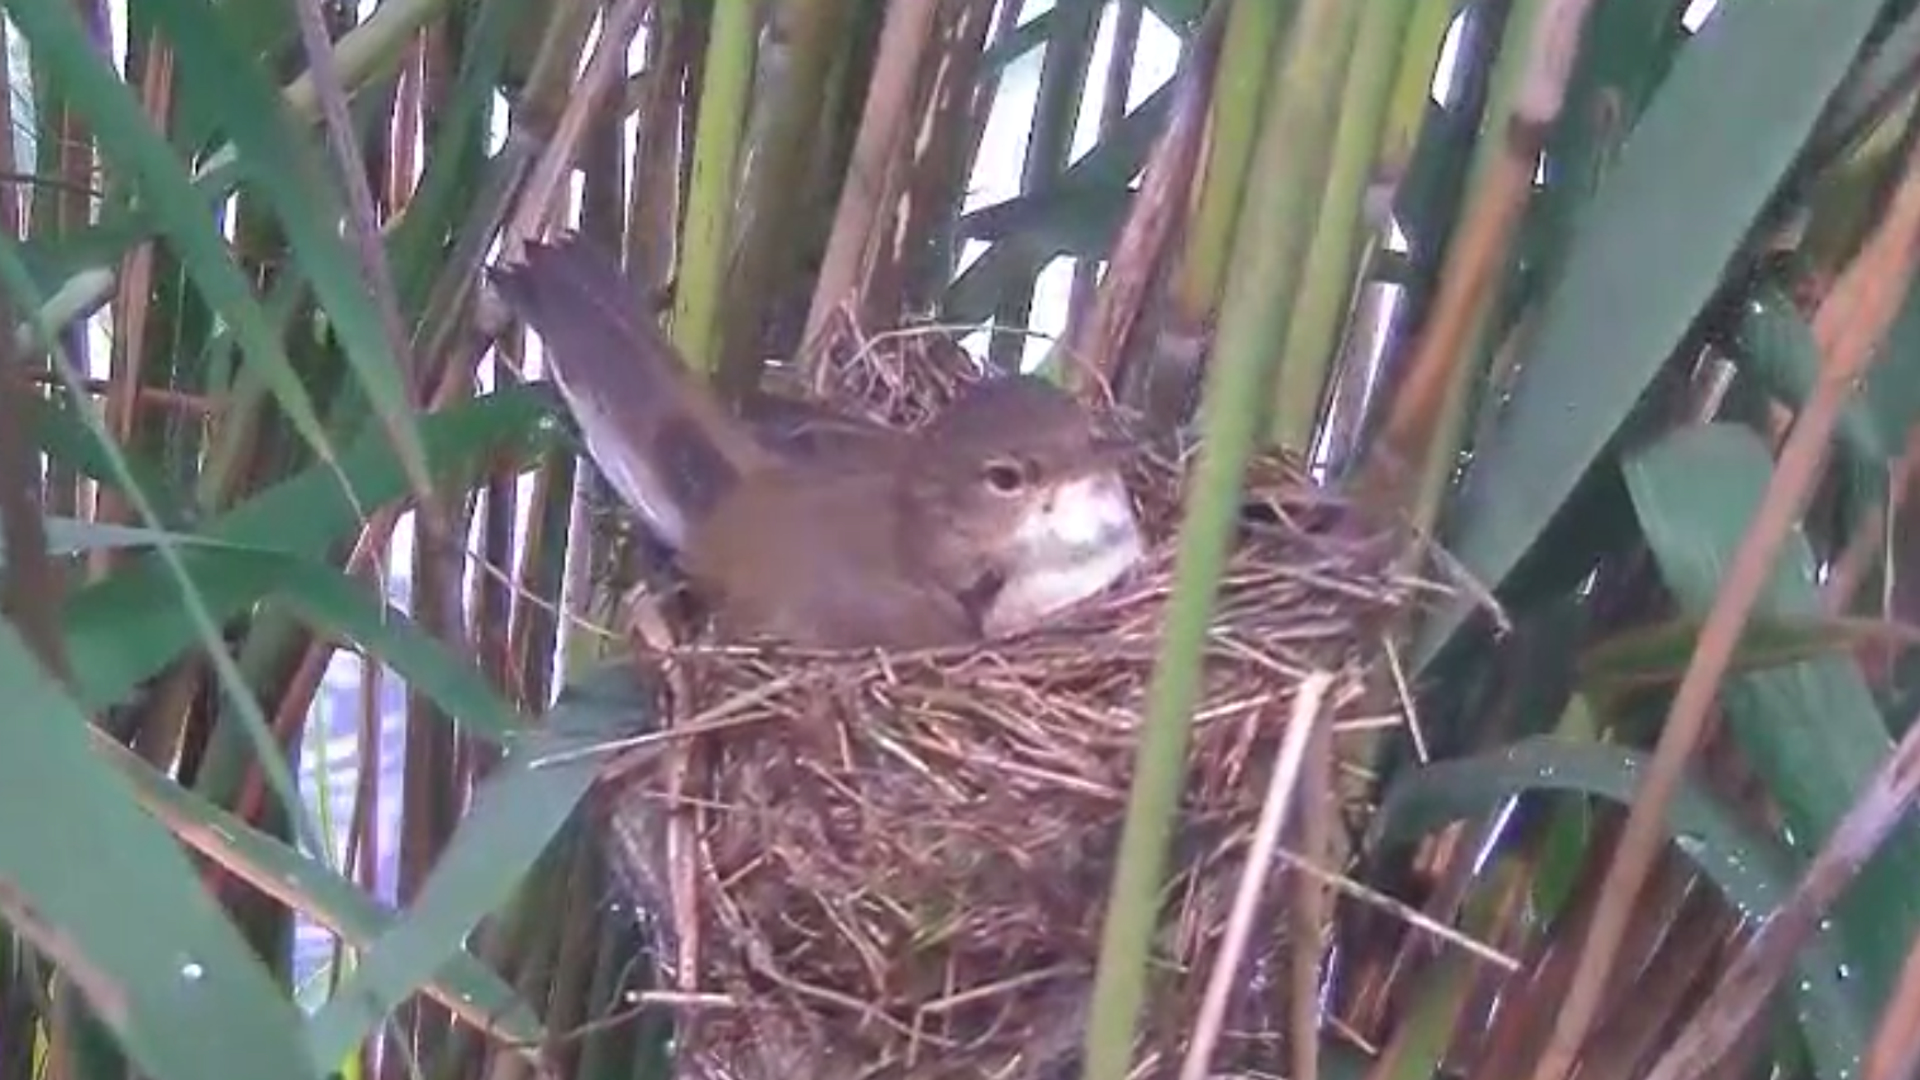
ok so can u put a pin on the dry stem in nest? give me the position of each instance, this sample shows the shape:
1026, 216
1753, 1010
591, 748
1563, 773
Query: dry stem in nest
897, 866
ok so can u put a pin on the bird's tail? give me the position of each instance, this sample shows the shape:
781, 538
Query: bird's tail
666, 445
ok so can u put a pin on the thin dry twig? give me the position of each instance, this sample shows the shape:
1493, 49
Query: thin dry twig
884, 122
362, 219
1479, 255
1266, 840
1156, 211
604, 68
1895, 1051
1414, 918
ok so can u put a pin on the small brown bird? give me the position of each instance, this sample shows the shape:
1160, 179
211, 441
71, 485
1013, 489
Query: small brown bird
820, 529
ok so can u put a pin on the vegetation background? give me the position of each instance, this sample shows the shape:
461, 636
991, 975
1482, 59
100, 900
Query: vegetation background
1621, 310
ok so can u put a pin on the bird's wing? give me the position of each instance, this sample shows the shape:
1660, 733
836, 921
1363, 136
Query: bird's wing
667, 445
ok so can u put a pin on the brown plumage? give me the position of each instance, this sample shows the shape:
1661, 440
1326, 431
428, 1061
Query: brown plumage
822, 530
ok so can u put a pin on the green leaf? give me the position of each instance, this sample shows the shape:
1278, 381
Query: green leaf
284, 172
133, 148
1874, 88
351, 609
1181, 16
1111, 165
1627, 49
515, 814
129, 626
1659, 654
66, 438
316, 889
347, 607
1033, 34
200, 622
70, 536
1751, 871
1647, 255
1080, 219
1810, 729
1775, 344
162, 981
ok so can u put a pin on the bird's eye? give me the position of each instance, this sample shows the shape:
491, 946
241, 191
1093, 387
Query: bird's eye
1004, 477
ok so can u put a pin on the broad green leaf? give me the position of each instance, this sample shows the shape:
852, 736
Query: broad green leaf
1890, 394
1627, 49
1876, 84
1810, 729
69, 440
1647, 255
129, 626
517, 811
1751, 871
315, 888
200, 624
162, 981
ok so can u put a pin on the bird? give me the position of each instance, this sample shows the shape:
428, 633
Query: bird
816, 528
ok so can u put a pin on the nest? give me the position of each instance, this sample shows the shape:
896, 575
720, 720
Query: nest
897, 866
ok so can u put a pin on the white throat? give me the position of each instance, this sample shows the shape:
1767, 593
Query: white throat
1071, 545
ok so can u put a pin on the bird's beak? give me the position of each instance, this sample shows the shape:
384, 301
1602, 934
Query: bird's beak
1074, 540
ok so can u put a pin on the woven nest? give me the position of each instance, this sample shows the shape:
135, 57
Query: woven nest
897, 867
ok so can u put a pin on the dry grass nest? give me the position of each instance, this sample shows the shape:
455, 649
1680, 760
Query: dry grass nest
897, 866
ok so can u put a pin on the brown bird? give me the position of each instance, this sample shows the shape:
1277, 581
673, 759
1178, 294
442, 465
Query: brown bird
820, 529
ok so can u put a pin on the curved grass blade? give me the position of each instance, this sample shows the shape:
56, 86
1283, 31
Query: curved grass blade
464, 984
515, 814
162, 982
213, 68
71, 536
199, 621
72, 442
1647, 256
1752, 872
129, 626
347, 607
140, 153
1810, 730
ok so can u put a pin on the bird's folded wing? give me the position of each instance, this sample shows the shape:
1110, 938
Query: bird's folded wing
668, 448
